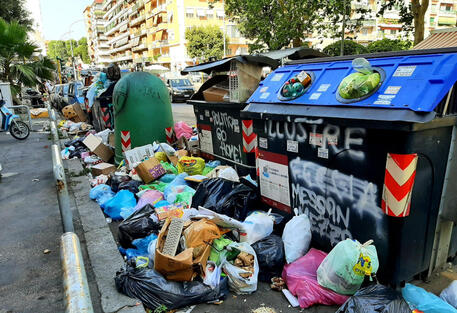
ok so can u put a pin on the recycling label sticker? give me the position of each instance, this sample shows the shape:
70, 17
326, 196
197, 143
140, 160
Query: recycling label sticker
323, 87
392, 90
277, 77
405, 71
315, 96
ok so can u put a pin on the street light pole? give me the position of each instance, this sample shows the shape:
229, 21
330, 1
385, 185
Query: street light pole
343, 28
223, 18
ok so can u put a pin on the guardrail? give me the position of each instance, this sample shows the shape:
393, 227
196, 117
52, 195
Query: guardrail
76, 289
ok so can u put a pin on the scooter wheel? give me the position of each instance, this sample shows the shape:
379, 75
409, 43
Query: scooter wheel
19, 130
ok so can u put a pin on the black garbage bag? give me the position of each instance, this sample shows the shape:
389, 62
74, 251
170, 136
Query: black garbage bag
226, 197
154, 290
131, 185
116, 180
137, 225
78, 142
375, 299
77, 152
270, 254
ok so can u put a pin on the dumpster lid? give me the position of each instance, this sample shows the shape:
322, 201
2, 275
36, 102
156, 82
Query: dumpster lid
413, 80
294, 53
224, 64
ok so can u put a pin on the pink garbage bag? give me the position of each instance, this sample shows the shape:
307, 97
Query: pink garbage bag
183, 130
149, 197
301, 279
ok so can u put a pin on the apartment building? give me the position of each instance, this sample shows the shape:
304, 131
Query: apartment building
153, 31
97, 41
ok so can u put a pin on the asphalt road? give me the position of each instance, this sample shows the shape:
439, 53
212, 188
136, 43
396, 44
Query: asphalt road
183, 112
30, 280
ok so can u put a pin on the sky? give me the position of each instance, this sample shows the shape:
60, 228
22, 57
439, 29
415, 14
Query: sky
58, 15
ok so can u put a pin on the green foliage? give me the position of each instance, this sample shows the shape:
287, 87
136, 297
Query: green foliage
18, 65
205, 42
14, 10
386, 45
350, 48
62, 49
274, 25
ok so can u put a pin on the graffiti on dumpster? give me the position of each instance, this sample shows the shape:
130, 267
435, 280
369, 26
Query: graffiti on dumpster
328, 197
224, 123
319, 135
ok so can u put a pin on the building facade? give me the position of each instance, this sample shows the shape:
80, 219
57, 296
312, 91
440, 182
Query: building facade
145, 32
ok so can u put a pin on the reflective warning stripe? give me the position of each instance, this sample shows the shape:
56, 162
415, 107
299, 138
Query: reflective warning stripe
398, 184
125, 140
169, 134
249, 137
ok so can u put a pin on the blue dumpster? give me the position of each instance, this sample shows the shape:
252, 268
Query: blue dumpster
377, 168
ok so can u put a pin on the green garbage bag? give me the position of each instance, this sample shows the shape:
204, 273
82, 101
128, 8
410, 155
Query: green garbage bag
156, 185
217, 251
169, 168
361, 83
345, 267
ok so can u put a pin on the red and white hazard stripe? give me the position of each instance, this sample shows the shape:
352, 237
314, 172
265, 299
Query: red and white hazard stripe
398, 184
125, 140
249, 137
169, 134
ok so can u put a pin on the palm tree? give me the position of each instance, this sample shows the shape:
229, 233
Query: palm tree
19, 64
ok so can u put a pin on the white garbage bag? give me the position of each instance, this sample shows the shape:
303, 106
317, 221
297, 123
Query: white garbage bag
449, 294
236, 282
296, 237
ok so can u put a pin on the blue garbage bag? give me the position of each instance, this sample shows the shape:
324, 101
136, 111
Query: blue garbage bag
101, 193
419, 299
167, 178
113, 207
161, 203
141, 247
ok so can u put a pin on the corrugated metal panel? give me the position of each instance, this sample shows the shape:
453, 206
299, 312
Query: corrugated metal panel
439, 39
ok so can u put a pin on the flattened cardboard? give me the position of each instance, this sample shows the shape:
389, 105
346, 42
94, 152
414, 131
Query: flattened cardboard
96, 146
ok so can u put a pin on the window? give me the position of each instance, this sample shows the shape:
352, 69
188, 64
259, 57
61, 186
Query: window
393, 31
210, 13
189, 13
432, 20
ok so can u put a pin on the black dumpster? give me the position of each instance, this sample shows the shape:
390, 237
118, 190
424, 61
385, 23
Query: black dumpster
375, 168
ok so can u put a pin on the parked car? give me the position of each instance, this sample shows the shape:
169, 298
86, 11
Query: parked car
75, 93
180, 89
55, 96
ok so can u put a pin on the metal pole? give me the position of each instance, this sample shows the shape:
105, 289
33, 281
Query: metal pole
223, 6
77, 295
343, 28
73, 59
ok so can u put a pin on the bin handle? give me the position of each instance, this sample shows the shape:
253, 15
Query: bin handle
366, 244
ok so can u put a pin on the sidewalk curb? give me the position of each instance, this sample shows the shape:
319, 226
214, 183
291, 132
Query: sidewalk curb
102, 249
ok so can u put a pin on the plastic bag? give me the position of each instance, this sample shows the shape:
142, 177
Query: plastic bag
163, 146
270, 254
172, 193
101, 193
419, 299
137, 225
100, 179
152, 250
361, 83
230, 174
200, 233
226, 197
182, 130
346, 266
450, 294
141, 247
212, 274
123, 199
191, 165
296, 237
131, 186
149, 197
237, 283
256, 226
161, 156
117, 179
217, 253
301, 279
154, 290
375, 298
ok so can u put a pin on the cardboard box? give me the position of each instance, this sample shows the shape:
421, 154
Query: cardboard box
138, 154
103, 168
69, 112
111, 139
183, 266
150, 170
181, 153
96, 146
215, 94
80, 115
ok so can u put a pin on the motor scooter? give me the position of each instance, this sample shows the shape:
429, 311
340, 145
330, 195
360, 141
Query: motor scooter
12, 123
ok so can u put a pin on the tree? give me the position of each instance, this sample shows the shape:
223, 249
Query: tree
205, 42
412, 15
18, 65
386, 45
350, 48
14, 10
62, 49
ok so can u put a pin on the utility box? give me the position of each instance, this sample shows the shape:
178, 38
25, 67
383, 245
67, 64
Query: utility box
376, 168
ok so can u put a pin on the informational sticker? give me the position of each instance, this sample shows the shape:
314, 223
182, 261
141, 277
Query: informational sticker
263, 143
316, 139
274, 180
277, 77
392, 90
332, 140
292, 146
201, 117
206, 141
263, 89
264, 95
323, 87
322, 153
207, 113
404, 71
386, 97
363, 266
315, 96
236, 128
382, 102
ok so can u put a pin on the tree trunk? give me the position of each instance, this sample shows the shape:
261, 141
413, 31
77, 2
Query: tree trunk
418, 9
296, 42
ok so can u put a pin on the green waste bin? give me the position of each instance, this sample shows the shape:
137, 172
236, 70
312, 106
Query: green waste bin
142, 111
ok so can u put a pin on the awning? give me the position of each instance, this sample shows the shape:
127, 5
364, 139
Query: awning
224, 64
441, 38
445, 20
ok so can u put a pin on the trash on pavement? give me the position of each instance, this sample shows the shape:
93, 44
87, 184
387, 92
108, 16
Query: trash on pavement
183, 130
96, 146
419, 299
212, 274
375, 298
103, 169
256, 226
141, 247
98, 180
101, 193
301, 279
270, 254
345, 267
122, 199
191, 165
296, 237
449, 294
150, 169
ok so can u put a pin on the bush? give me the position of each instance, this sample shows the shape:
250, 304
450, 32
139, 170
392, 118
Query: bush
386, 45
350, 48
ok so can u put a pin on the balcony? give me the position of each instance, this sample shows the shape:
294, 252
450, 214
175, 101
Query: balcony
123, 58
447, 20
137, 20
140, 47
118, 38
447, 13
113, 29
389, 22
